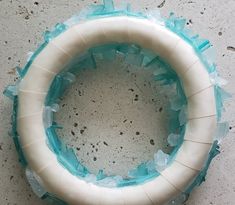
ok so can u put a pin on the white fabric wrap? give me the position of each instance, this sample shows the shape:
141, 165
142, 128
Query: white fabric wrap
76, 40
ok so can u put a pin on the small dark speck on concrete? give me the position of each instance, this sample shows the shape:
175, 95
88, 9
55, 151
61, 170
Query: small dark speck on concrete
36, 3
231, 48
161, 4
105, 143
72, 132
230, 128
137, 133
79, 93
81, 131
75, 124
114, 162
136, 98
96, 149
94, 158
124, 120
84, 127
131, 89
121, 133
76, 114
220, 33
152, 142
121, 147
11, 177
0, 147
189, 22
160, 109
9, 58
78, 148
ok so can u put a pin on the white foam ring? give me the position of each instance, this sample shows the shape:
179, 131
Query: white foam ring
77, 39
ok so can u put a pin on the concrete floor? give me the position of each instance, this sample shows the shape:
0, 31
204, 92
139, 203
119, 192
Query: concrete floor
21, 25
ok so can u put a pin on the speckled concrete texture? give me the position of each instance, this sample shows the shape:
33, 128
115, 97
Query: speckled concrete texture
114, 118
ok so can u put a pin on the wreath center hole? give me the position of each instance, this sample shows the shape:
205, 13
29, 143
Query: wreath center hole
115, 117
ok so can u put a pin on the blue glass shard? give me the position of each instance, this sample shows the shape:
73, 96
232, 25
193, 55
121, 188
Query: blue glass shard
179, 200
53, 200
11, 91
134, 59
148, 57
19, 71
69, 160
202, 174
108, 5
173, 139
200, 44
220, 96
183, 115
47, 117
161, 160
110, 182
141, 170
36, 186
101, 175
57, 30
221, 131
179, 24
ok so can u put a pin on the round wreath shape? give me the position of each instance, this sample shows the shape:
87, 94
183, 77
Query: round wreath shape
52, 168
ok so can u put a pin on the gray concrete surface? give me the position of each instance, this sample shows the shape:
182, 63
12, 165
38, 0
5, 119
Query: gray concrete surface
102, 106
